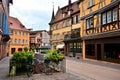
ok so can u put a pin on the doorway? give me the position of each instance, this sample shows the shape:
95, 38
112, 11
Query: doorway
12, 50
98, 51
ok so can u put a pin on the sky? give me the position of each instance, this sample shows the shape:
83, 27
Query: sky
35, 14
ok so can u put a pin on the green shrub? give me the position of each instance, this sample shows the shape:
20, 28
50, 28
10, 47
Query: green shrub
54, 56
33, 49
22, 58
26, 49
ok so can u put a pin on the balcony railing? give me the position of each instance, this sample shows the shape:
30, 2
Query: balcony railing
71, 36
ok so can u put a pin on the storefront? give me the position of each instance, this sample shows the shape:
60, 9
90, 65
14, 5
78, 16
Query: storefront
107, 49
73, 47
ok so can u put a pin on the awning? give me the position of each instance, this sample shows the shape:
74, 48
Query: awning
60, 46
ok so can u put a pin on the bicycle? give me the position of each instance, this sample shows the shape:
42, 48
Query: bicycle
44, 67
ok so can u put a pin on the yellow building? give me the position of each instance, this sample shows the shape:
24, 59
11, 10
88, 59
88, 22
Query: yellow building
19, 36
65, 29
100, 29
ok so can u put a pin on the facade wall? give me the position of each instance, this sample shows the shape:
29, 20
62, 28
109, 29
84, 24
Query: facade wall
4, 31
39, 39
65, 29
19, 36
100, 29
45, 39
19, 40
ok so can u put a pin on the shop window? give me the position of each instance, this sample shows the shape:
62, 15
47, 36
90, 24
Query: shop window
19, 49
71, 47
79, 47
112, 51
89, 22
90, 50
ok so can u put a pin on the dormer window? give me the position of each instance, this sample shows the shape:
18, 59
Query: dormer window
69, 12
63, 15
78, 5
10, 24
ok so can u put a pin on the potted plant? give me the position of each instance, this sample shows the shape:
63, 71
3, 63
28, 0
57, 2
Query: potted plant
20, 60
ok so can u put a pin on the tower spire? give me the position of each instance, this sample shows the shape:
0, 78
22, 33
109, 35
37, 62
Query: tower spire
69, 2
53, 16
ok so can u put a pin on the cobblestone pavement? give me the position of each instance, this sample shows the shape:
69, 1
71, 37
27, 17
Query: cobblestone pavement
4, 70
55, 76
99, 70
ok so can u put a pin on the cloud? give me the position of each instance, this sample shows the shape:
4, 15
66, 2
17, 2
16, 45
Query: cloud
35, 14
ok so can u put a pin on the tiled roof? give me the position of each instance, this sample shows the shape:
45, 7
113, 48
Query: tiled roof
73, 7
16, 24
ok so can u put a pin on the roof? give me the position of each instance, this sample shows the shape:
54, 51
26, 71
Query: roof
34, 33
73, 6
16, 24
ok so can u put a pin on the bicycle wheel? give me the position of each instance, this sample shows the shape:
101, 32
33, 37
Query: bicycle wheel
42, 68
30, 71
49, 70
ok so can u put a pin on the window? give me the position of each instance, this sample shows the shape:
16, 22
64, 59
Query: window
104, 18
109, 19
15, 32
90, 50
26, 34
78, 5
55, 27
15, 40
77, 19
69, 12
63, 15
11, 24
71, 47
26, 41
58, 36
79, 47
11, 32
23, 41
63, 35
54, 37
74, 20
109, 16
89, 22
64, 24
18, 41
115, 14
90, 3
68, 22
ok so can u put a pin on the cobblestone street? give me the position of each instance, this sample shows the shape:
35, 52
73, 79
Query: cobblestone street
77, 69
4, 69
55, 76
